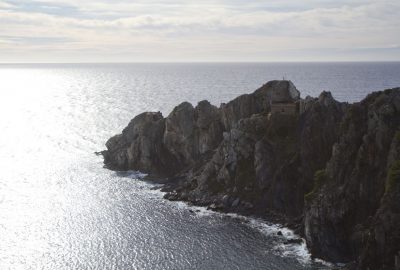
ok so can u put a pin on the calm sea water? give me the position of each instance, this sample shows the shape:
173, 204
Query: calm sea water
59, 209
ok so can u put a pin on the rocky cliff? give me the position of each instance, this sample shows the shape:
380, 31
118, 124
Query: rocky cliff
353, 211
331, 171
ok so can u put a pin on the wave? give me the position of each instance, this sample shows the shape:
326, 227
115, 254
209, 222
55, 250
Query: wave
279, 235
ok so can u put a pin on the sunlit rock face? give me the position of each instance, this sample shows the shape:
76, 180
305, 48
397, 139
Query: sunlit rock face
330, 170
140, 145
188, 134
192, 132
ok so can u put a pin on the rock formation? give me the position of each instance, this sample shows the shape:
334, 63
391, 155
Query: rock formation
355, 211
331, 171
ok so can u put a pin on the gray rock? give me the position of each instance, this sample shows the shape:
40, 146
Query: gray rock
236, 202
140, 146
178, 136
331, 168
283, 91
349, 216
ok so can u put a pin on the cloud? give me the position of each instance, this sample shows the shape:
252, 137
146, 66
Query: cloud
191, 30
62, 9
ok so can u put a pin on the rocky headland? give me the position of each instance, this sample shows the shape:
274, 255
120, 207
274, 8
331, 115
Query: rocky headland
329, 170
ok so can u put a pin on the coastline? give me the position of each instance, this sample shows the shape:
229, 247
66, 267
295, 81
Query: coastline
292, 161
288, 243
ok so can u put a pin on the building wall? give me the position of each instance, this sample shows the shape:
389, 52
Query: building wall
287, 108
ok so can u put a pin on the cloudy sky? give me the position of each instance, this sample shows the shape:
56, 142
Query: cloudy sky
206, 30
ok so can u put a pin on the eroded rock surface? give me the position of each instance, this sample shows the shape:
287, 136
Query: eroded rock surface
352, 214
331, 171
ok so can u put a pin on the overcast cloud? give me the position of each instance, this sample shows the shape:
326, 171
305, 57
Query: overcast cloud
208, 30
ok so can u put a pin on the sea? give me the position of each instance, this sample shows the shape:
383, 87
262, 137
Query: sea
60, 209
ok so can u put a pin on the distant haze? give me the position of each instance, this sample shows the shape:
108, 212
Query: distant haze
207, 30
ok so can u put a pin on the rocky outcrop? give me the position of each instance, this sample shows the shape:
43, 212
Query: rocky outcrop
246, 105
140, 146
191, 132
166, 146
352, 215
331, 171
264, 161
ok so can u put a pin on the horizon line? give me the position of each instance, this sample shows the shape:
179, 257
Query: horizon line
202, 62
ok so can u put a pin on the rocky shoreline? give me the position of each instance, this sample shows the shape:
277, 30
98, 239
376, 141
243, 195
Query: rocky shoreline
327, 169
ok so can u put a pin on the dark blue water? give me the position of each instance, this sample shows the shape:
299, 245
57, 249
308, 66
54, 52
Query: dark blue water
59, 209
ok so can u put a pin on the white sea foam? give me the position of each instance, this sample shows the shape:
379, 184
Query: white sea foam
83, 216
298, 251
135, 174
293, 250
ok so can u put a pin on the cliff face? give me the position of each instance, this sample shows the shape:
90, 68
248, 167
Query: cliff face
332, 170
263, 162
356, 208
166, 146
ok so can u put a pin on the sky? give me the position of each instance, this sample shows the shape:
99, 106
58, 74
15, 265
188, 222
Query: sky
199, 31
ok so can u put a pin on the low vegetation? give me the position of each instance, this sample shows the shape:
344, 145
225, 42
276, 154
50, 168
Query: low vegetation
393, 177
319, 179
397, 136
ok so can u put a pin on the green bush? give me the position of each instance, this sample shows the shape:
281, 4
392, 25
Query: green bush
320, 178
397, 136
393, 177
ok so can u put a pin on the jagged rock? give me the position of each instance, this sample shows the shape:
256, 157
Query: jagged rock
346, 215
296, 241
236, 202
209, 127
140, 146
284, 172
246, 105
179, 134
332, 170
192, 132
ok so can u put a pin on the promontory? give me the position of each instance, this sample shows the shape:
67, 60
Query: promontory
328, 169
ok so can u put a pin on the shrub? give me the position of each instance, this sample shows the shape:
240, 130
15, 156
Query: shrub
320, 178
393, 177
397, 136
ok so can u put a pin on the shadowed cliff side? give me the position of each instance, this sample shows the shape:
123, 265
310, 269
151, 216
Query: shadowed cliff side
331, 170
355, 208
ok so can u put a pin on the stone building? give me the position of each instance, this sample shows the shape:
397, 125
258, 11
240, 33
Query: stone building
284, 99
289, 108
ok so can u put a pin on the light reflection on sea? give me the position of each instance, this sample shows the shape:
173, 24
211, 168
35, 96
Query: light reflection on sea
59, 209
